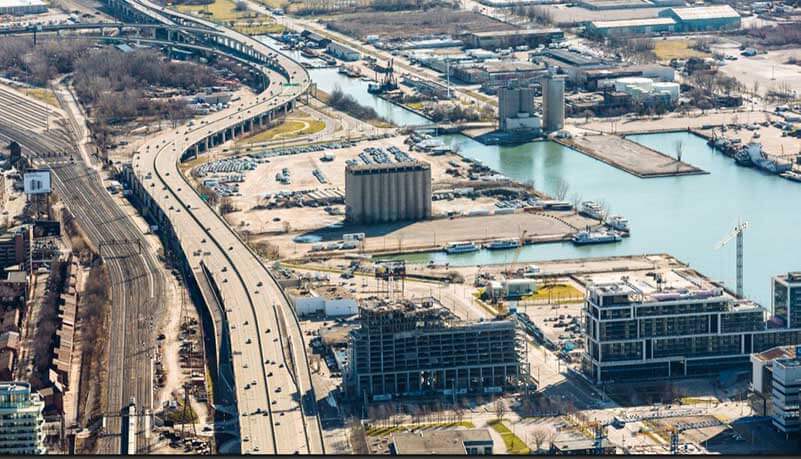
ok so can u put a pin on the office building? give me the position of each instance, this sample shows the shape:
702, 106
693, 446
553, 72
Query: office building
786, 294
14, 246
20, 420
471, 442
693, 19
553, 103
776, 379
420, 348
387, 192
672, 323
516, 109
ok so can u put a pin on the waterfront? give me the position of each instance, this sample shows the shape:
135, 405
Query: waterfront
682, 216
328, 79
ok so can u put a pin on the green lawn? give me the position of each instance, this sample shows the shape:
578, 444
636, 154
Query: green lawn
514, 445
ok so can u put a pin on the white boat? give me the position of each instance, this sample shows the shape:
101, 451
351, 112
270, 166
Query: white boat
461, 247
591, 209
585, 237
617, 222
501, 244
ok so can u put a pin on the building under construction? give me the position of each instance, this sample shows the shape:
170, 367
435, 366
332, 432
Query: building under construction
387, 192
419, 348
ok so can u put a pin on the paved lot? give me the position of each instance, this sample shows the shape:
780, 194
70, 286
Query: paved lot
630, 156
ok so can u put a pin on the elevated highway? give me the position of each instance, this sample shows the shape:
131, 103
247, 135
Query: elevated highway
275, 401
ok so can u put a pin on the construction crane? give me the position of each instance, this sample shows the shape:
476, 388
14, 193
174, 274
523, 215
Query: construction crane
737, 232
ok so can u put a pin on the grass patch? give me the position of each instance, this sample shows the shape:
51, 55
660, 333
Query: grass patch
220, 10
666, 50
274, 3
42, 95
514, 445
386, 430
554, 293
258, 28
291, 127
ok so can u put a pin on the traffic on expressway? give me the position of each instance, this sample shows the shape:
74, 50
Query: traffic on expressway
274, 397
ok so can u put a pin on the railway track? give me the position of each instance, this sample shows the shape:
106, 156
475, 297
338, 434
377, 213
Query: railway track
136, 288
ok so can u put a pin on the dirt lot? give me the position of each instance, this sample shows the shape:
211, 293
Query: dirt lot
413, 24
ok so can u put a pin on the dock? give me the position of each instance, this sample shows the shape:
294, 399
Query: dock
629, 156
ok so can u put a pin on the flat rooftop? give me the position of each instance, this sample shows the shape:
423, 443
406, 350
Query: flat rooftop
20, 3
438, 442
777, 353
705, 12
675, 285
632, 23
513, 33
387, 167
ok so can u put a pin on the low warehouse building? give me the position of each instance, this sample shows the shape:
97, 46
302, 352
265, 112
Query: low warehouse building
631, 27
509, 38
719, 17
21, 7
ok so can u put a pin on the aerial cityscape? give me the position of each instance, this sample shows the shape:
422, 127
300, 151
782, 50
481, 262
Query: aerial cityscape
400, 227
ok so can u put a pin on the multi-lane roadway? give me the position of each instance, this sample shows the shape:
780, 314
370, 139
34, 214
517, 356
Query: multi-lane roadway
275, 400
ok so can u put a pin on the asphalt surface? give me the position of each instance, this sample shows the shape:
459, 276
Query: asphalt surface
275, 400
136, 282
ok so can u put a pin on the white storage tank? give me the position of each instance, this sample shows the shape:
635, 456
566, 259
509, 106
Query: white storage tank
645, 85
671, 88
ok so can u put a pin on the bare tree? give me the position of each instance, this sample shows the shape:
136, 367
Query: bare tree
540, 436
500, 409
562, 188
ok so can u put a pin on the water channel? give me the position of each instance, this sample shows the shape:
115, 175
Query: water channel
682, 216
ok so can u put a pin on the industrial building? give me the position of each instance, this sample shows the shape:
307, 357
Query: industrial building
330, 303
694, 19
496, 72
471, 442
21, 420
553, 103
343, 52
388, 192
593, 79
416, 348
570, 63
671, 323
516, 109
627, 27
641, 88
22, 7
512, 38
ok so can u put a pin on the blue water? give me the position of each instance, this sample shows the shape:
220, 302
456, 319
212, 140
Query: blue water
328, 79
681, 216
